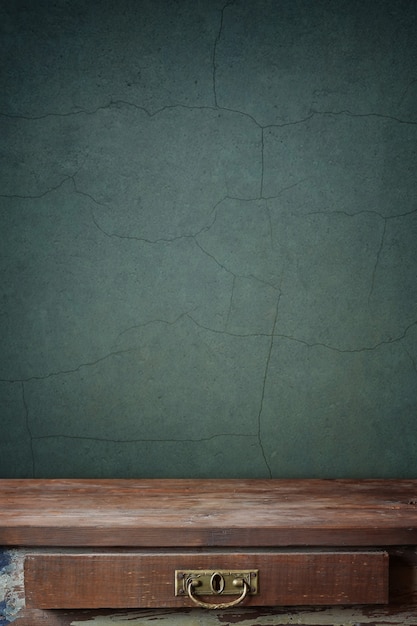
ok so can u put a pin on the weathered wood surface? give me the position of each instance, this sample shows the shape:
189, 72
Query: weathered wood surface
177, 513
50, 514
132, 580
352, 616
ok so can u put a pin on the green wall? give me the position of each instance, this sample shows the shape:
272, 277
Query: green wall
208, 238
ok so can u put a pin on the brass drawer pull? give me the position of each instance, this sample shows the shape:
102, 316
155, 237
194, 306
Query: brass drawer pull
238, 582
216, 582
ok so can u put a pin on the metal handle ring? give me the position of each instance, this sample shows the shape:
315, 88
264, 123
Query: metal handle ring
223, 605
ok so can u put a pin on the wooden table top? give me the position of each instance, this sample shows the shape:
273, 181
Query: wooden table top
218, 513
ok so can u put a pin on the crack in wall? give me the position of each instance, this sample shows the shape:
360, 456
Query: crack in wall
194, 237
226, 332
271, 336
376, 115
122, 103
364, 212
213, 258
145, 239
230, 303
29, 430
90, 197
101, 359
207, 227
118, 104
203, 229
146, 440
140, 239
216, 42
264, 381
403, 95
36, 196
271, 228
155, 321
412, 359
306, 343
378, 255
351, 350
385, 219
68, 371
261, 190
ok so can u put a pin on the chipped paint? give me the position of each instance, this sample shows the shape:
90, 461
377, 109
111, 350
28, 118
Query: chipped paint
11, 585
253, 617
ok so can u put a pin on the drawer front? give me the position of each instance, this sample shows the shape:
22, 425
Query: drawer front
151, 579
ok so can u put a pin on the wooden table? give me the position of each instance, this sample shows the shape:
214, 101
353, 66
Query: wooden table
157, 549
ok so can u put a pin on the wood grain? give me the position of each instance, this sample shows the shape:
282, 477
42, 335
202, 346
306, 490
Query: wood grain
131, 580
233, 513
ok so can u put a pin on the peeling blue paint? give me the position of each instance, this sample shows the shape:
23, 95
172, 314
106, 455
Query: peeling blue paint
4, 559
11, 585
4, 563
3, 620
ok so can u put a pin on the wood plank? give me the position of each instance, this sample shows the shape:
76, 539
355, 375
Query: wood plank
132, 580
175, 513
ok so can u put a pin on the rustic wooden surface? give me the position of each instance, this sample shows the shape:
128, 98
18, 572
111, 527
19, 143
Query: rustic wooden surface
147, 579
204, 514
178, 513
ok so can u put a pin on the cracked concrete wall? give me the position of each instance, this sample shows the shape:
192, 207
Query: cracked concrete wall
208, 238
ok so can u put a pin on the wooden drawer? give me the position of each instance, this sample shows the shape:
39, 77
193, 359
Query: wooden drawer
134, 579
